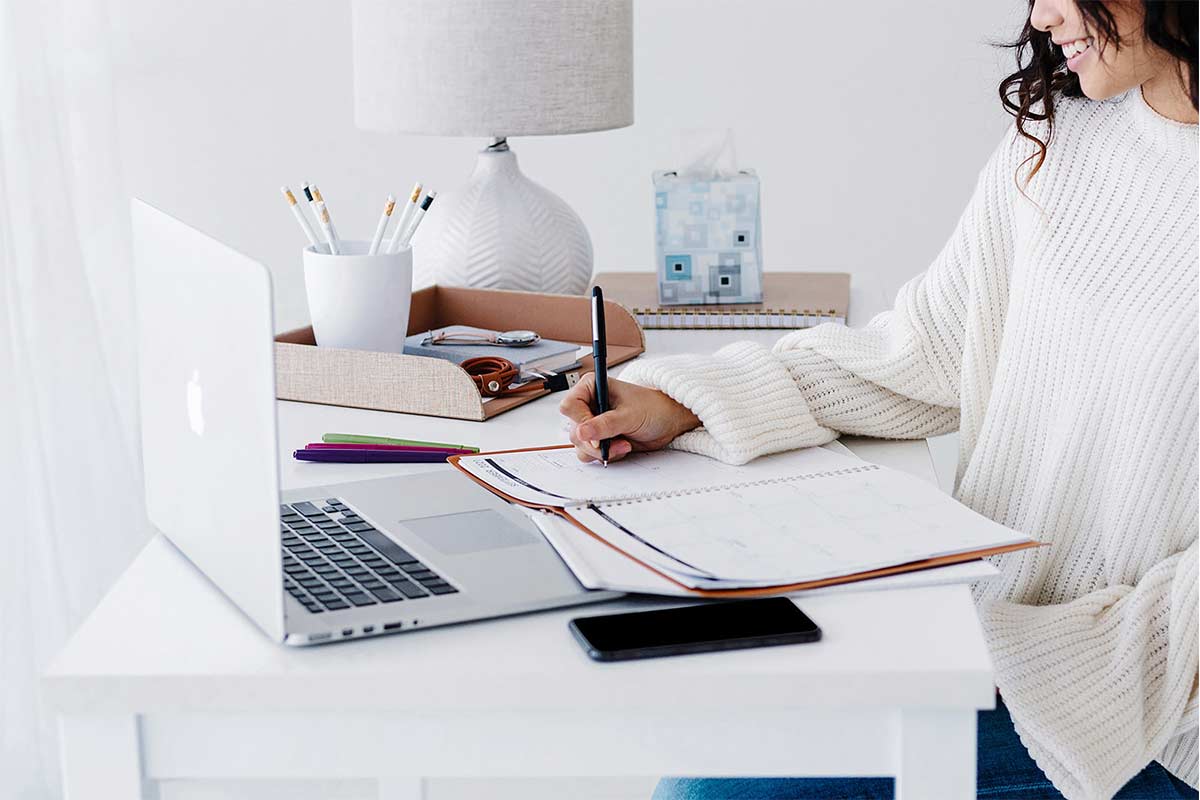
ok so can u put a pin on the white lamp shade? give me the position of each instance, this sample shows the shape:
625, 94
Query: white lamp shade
493, 67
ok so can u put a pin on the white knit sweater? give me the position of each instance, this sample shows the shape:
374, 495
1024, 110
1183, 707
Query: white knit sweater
1058, 334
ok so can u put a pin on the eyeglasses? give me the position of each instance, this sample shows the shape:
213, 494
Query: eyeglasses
504, 339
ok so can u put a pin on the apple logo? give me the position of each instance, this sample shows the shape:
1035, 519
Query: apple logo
195, 404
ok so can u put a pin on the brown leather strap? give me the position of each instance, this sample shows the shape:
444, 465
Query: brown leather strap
494, 376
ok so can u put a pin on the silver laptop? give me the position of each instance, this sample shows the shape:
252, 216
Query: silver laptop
313, 565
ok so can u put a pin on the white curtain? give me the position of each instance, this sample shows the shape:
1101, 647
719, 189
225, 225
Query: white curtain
72, 515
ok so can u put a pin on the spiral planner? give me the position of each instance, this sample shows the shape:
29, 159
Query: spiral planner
781, 523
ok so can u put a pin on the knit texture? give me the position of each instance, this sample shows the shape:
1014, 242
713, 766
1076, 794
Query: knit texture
1057, 332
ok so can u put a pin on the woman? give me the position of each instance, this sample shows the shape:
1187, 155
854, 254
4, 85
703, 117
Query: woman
1057, 332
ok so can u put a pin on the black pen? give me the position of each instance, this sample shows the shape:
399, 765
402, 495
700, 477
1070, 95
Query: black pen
600, 361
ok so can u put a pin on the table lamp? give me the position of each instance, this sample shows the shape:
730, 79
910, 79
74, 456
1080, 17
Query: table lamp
496, 69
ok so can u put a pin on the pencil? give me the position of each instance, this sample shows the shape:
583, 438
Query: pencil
405, 216
332, 232
299, 215
418, 215
327, 227
382, 226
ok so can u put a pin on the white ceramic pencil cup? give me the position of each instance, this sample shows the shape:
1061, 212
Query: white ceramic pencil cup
358, 301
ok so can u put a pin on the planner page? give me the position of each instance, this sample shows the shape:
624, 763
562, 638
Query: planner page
557, 478
793, 530
598, 566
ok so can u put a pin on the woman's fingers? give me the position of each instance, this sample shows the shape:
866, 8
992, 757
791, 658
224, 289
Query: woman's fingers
589, 450
613, 423
618, 449
576, 405
587, 429
584, 450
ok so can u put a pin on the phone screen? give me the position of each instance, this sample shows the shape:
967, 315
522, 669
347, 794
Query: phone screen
693, 629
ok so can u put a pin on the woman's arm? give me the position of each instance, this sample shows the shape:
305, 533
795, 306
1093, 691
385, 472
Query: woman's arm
1112, 674
898, 377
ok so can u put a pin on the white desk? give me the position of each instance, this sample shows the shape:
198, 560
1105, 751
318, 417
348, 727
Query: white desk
167, 680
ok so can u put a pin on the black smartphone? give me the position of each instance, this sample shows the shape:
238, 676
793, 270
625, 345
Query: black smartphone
722, 625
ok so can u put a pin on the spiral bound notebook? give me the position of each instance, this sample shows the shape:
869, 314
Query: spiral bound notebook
781, 523
790, 300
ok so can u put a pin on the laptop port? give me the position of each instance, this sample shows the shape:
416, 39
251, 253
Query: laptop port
347, 631
392, 626
368, 629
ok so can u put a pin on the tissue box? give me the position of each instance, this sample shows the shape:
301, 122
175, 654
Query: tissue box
708, 242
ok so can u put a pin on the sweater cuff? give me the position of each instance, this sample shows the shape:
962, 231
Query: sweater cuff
744, 396
1097, 686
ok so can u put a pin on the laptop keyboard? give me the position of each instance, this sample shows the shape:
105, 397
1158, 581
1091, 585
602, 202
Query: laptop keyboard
333, 559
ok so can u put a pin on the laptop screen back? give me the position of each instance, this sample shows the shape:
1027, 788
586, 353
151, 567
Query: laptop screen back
206, 372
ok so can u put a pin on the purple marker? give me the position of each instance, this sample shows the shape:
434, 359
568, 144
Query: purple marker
386, 448
343, 455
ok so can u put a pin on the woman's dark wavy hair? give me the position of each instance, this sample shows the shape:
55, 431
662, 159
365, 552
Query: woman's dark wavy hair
1042, 74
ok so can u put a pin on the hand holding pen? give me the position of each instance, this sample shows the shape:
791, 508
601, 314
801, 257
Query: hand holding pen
641, 419
627, 417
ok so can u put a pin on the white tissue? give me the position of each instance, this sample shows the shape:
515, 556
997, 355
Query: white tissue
705, 154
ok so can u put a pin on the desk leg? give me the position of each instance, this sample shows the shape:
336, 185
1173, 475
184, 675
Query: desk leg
101, 757
936, 755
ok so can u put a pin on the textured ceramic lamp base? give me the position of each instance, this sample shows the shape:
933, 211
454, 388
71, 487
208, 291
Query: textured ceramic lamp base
503, 231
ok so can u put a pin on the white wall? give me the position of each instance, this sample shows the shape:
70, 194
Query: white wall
867, 122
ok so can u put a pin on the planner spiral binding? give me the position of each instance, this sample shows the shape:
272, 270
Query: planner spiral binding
791, 300
704, 319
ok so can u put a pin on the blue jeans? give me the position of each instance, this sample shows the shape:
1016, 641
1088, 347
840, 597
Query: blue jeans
1005, 771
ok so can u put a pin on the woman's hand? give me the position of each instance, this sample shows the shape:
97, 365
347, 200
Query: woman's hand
640, 419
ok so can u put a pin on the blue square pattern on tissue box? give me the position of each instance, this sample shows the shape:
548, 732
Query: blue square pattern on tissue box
708, 239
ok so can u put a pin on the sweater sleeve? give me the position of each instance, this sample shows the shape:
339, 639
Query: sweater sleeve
1101, 686
898, 377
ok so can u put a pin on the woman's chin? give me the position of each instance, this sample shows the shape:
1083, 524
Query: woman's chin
1099, 87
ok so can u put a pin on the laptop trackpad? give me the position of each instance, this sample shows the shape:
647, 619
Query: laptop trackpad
470, 532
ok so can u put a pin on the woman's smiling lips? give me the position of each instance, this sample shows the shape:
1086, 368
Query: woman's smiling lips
1076, 50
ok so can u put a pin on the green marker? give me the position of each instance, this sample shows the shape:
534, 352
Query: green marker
355, 438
